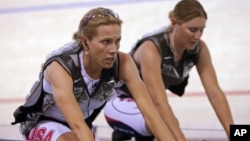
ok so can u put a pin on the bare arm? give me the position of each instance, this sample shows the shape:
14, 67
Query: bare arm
62, 88
129, 74
150, 62
215, 95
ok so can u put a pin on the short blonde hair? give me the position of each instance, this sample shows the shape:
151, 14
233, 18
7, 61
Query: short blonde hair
186, 10
94, 18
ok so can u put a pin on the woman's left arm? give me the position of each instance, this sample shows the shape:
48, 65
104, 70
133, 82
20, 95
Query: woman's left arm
129, 74
215, 94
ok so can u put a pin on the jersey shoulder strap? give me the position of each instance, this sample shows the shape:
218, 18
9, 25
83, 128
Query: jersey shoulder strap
162, 43
71, 63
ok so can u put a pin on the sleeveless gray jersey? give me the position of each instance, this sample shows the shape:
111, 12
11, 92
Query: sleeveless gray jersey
172, 74
87, 100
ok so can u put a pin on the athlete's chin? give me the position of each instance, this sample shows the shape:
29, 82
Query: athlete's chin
191, 47
108, 65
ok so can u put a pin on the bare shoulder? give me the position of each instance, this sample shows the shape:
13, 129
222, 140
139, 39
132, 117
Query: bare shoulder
127, 66
124, 57
204, 57
203, 44
55, 72
147, 47
204, 48
121, 54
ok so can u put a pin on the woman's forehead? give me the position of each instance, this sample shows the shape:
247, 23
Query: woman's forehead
196, 22
113, 30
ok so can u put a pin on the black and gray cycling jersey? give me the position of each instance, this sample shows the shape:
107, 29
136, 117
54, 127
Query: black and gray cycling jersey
173, 74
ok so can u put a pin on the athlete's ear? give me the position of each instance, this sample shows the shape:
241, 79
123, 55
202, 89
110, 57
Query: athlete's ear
86, 44
173, 22
84, 41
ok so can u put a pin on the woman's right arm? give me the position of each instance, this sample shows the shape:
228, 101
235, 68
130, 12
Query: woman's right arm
149, 60
62, 89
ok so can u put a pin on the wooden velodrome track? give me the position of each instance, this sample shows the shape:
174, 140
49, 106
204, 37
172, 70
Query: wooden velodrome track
30, 29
